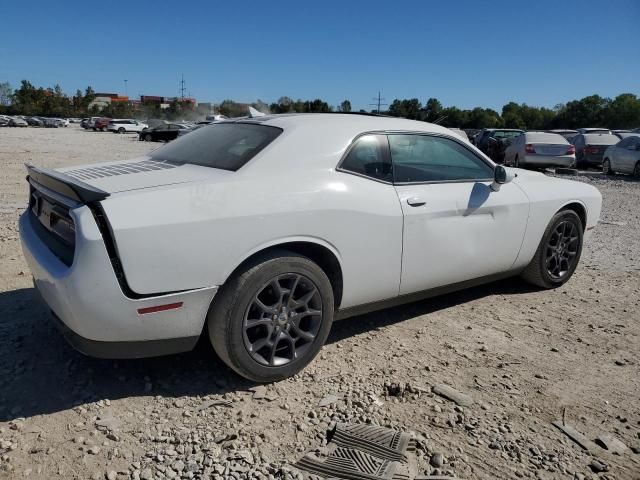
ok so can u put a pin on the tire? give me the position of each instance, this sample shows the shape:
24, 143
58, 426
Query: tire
606, 168
121, 130
636, 170
229, 323
537, 272
147, 137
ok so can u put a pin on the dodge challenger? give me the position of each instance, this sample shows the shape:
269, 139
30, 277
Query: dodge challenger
259, 232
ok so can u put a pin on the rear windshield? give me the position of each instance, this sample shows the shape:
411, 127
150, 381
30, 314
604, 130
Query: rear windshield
227, 146
600, 139
549, 138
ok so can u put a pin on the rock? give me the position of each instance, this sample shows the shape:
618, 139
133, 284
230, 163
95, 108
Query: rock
259, 392
597, 466
112, 475
93, 450
146, 474
328, 400
436, 461
609, 442
453, 395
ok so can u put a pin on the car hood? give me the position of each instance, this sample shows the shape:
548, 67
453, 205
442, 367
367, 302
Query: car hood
139, 173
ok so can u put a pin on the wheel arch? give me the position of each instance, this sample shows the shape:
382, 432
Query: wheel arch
322, 253
579, 208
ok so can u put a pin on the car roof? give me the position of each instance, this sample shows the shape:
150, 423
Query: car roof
347, 122
323, 137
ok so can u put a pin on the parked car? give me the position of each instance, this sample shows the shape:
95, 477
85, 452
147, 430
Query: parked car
126, 125
267, 229
567, 134
215, 118
540, 150
17, 122
594, 130
460, 133
101, 124
4, 121
162, 133
590, 148
35, 122
494, 141
53, 122
623, 157
623, 135
90, 123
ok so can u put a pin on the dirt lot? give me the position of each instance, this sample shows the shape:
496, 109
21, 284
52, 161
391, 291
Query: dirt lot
524, 356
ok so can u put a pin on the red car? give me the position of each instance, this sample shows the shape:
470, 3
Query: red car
101, 124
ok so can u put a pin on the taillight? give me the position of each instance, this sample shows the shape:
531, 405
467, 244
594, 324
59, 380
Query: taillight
572, 150
590, 149
529, 148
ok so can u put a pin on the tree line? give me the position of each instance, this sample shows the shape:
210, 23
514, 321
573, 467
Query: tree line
622, 111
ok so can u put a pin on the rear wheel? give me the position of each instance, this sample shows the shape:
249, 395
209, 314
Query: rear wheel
559, 251
636, 170
606, 167
121, 130
269, 320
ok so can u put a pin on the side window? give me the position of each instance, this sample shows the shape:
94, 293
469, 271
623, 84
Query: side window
625, 143
368, 157
425, 158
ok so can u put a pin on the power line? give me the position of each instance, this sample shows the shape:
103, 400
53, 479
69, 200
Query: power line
379, 102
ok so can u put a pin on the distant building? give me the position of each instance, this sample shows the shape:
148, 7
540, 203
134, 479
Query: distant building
105, 99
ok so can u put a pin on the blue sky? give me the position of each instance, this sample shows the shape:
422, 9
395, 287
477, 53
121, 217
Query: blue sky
462, 52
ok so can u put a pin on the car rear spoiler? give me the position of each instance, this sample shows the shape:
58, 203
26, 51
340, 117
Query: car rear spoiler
65, 185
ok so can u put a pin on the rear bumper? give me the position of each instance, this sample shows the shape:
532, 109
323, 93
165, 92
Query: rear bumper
593, 159
97, 318
549, 160
124, 350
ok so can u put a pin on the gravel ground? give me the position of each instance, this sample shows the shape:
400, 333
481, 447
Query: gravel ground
526, 358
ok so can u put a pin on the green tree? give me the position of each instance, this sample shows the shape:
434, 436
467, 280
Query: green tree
345, 106
623, 112
432, 110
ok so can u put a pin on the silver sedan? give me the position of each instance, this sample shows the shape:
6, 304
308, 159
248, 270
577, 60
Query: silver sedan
540, 149
623, 157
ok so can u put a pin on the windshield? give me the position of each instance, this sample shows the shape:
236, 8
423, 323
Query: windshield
227, 146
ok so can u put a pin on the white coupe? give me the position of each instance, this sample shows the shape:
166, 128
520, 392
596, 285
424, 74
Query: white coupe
259, 232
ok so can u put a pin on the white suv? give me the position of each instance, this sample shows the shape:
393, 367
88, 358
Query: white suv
126, 125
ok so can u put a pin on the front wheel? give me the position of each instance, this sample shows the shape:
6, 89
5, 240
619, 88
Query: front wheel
559, 251
636, 170
270, 320
147, 137
121, 130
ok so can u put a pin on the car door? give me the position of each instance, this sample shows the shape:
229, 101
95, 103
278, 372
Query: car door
617, 155
628, 154
455, 227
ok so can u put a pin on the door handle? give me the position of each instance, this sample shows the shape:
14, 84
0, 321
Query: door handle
415, 201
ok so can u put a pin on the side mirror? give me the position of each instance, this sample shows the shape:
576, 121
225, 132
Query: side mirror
501, 176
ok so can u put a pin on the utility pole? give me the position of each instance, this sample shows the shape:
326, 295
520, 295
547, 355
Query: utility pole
379, 102
182, 88
126, 94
